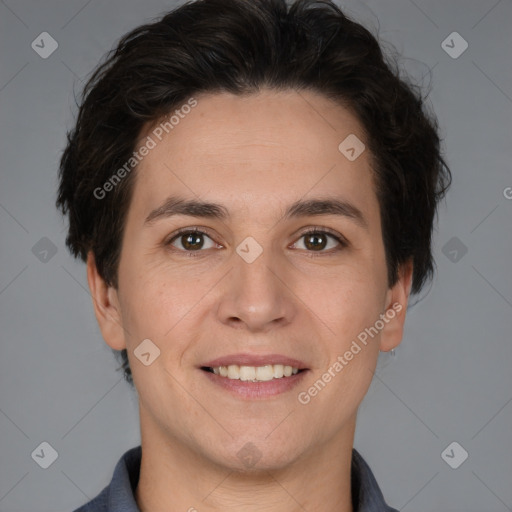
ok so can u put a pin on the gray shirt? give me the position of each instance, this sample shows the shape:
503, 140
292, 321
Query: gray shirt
118, 496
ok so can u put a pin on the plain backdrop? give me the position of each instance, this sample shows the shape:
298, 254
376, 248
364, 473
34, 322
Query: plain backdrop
450, 380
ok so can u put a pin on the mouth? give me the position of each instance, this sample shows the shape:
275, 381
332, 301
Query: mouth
254, 377
263, 373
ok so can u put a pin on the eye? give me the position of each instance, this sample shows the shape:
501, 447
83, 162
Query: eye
317, 240
190, 240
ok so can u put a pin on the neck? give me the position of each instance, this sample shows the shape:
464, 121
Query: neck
174, 477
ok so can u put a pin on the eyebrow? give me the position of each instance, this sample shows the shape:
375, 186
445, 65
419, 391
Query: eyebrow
175, 205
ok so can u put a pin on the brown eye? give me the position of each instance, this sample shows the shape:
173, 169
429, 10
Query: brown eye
317, 241
190, 241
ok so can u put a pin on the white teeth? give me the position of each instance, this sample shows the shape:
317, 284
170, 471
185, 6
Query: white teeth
265, 372
233, 371
255, 373
278, 371
246, 373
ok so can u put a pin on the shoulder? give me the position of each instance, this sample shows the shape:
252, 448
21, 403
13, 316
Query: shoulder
98, 504
119, 494
366, 493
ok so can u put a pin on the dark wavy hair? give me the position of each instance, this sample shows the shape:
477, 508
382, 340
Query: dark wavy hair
241, 46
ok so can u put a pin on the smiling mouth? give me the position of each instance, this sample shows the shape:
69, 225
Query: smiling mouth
253, 373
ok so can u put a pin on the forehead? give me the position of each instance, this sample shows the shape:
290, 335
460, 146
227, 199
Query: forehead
253, 151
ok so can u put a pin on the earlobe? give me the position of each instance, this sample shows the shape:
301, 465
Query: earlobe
396, 307
106, 306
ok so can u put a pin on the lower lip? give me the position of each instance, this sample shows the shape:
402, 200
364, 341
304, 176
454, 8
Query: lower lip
256, 390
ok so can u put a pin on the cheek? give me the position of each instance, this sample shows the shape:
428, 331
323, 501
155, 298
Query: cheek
346, 305
153, 304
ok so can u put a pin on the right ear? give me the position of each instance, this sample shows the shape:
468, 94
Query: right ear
106, 306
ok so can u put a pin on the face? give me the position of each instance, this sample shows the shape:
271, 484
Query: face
248, 282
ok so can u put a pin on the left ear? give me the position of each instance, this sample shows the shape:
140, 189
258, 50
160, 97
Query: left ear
396, 306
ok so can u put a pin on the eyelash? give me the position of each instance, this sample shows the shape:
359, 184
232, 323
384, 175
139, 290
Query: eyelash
316, 230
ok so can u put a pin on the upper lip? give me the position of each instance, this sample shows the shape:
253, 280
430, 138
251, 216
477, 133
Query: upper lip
255, 360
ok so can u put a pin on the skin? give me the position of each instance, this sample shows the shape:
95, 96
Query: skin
256, 155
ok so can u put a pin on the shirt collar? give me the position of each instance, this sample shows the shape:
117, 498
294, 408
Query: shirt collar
119, 495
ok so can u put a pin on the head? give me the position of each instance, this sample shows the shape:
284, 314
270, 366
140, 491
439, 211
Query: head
253, 106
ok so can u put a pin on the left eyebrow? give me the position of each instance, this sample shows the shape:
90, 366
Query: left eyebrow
175, 205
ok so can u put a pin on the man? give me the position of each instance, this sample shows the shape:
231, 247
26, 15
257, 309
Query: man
253, 189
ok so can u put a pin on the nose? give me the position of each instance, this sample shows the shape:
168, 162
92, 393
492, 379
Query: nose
258, 296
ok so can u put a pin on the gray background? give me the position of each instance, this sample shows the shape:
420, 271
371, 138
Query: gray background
450, 379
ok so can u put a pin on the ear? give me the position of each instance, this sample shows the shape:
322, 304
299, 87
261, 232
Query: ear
106, 306
397, 299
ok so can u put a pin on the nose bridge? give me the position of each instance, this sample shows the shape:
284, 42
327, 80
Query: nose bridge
255, 294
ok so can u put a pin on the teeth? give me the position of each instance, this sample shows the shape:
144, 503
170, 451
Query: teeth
255, 373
